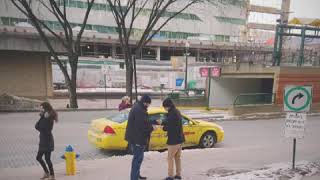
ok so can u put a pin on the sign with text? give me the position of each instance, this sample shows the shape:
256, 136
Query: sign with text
105, 69
295, 125
204, 72
214, 71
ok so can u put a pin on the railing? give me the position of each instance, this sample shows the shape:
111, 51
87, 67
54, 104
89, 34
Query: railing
254, 99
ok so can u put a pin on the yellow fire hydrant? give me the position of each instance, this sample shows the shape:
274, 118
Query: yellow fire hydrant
70, 156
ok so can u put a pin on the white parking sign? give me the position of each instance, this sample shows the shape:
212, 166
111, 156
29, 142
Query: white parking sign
295, 125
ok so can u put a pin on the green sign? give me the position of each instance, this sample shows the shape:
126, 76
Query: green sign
297, 98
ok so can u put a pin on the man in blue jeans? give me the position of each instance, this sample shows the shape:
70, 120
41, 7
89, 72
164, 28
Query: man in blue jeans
138, 134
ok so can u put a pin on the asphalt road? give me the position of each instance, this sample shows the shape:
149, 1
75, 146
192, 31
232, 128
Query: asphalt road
19, 139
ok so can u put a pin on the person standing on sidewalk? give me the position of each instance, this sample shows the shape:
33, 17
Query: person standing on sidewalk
46, 145
138, 134
125, 103
173, 126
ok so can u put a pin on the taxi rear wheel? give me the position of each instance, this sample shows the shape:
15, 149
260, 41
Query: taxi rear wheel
208, 140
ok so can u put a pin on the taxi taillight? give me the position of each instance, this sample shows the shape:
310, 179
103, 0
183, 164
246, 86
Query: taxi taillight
108, 130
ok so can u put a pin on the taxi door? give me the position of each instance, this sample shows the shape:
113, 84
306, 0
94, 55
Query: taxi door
158, 137
191, 132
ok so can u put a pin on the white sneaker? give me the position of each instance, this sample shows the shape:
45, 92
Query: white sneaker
45, 176
51, 178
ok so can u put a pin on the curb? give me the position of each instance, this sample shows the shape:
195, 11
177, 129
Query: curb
253, 117
59, 110
105, 109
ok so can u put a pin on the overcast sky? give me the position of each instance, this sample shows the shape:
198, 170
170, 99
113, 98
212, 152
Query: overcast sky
305, 8
298, 8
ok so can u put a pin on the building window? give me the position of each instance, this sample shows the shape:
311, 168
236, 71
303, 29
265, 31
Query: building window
144, 12
229, 20
55, 25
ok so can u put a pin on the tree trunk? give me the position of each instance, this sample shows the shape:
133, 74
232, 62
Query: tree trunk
129, 76
72, 86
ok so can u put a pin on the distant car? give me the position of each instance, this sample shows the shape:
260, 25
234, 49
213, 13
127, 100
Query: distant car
108, 133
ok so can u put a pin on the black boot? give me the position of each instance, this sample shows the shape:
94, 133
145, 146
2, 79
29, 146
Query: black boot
141, 177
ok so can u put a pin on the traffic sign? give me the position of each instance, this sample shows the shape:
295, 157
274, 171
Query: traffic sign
105, 69
297, 98
215, 71
295, 125
204, 72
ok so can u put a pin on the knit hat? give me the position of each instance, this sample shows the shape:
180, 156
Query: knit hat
145, 99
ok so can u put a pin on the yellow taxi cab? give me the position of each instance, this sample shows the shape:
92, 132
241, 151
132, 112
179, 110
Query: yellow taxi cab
108, 133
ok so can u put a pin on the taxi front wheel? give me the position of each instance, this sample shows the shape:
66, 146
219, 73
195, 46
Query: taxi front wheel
208, 140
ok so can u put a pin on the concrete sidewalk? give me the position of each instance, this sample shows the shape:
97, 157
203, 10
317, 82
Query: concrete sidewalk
196, 166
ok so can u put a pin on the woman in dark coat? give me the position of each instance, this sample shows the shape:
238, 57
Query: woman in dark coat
173, 126
46, 145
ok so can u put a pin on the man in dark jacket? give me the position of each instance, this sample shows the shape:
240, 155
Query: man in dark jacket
173, 125
138, 134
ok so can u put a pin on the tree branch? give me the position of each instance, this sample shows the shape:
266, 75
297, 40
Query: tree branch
166, 22
84, 23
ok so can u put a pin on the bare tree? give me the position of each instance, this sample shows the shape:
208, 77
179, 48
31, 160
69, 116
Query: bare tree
126, 12
70, 41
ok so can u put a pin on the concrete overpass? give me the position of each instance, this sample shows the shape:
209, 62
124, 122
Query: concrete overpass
25, 64
260, 79
25, 60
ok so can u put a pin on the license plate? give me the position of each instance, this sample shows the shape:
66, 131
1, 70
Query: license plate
93, 139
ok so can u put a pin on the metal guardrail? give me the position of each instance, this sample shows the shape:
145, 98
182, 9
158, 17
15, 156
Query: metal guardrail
254, 99
186, 94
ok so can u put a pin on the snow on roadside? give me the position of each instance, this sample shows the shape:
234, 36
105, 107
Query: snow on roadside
277, 171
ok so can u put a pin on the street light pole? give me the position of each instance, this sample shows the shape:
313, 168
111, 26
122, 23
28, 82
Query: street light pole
187, 45
135, 76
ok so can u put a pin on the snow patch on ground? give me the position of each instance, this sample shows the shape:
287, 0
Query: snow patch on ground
279, 171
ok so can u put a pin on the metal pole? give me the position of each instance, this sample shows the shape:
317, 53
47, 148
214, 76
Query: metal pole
301, 53
275, 46
279, 53
105, 90
209, 89
294, 153
135, 76
186, 74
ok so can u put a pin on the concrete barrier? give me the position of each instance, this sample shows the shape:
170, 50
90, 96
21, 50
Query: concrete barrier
11, 103
267, 108
190, 102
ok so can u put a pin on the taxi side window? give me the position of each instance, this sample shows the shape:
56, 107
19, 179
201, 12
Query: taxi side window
163, 117
154, 117
185, 121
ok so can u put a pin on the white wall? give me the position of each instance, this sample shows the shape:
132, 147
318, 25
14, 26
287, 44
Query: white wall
225, 90
206, 12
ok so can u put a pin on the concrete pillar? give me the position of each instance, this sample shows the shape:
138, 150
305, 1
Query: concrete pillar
158, 53
95, 49
285, 8
114, 51
198, 55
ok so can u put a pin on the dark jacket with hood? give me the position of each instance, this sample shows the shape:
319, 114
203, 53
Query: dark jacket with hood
173, 125
138, 128
45, 126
